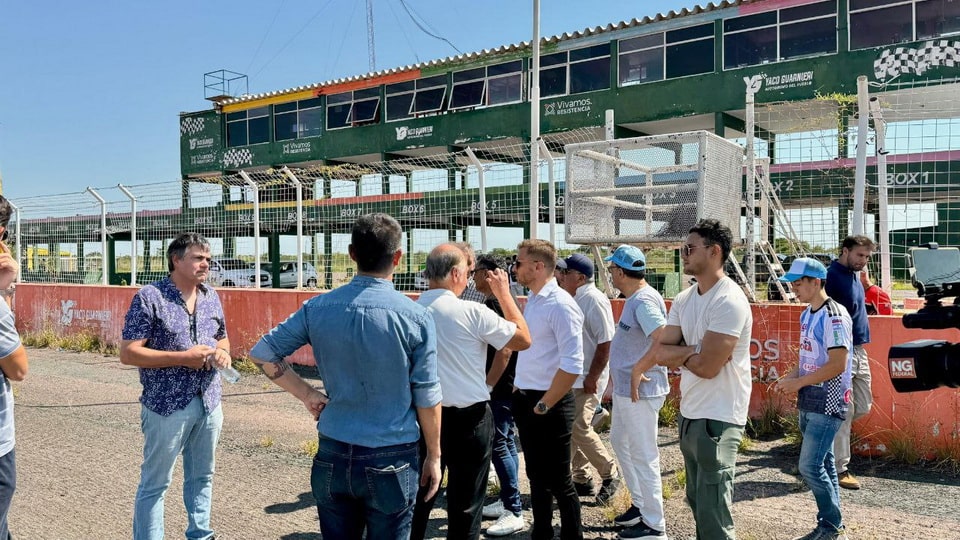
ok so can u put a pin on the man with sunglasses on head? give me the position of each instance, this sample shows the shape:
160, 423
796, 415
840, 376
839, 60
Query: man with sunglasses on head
13, 367
464, 330
575, 275
543, 404
707, 337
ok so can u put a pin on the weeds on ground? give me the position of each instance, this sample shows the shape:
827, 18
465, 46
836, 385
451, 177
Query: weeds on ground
245, 365
266, 441
309, 448
770, 423
618, 504
947, 457
746, 443
78, 342
791, 431
670, 411
903, 447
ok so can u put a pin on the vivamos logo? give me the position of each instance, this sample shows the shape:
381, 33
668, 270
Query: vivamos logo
572, 106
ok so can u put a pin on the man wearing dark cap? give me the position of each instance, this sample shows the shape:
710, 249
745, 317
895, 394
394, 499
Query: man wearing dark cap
575, 275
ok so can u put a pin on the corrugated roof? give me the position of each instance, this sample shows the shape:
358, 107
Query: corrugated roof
503, 49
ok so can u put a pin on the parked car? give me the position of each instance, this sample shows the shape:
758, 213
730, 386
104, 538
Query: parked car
236, 273
288, 275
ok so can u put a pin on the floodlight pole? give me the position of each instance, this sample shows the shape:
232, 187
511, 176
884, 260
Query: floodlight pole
535, 125
256, 226
880, 126
482, 203
299, 186
133, 233
104, 279
860, 177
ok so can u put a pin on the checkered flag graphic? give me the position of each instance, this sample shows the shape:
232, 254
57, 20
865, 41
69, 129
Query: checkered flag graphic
191, 126
237, 157
892, 63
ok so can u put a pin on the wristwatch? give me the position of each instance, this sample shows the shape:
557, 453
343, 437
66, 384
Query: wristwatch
542, 407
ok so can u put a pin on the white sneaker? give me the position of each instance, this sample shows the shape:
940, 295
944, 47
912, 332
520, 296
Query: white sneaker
493, 510
599, 417
507, 524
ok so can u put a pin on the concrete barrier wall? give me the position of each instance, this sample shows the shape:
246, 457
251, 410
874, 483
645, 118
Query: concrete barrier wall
932, 419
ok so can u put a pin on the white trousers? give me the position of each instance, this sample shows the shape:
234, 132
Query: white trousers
633, 434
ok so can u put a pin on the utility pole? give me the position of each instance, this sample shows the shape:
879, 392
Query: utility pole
371, 48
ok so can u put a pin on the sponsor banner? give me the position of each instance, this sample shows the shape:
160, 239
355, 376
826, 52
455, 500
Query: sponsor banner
569, 106
770, 82
294, 148
71, 312
405, 133
895, 61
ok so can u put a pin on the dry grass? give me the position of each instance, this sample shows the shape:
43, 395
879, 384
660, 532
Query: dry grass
309, 448
78, 342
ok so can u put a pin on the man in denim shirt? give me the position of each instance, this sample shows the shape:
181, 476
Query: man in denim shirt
175, 333
376, 352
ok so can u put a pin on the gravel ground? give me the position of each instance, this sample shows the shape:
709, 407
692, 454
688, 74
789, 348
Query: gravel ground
79, 443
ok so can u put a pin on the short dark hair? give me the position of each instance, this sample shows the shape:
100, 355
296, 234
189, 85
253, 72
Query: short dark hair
633, 274
374, 239
6, 210
491, 262
184, 241
715, 233
853, 241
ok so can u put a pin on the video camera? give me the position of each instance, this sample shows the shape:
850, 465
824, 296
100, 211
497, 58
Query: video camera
926, 364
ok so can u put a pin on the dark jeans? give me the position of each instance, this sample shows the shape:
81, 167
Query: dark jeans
357, 487
8, 483
466, 437
709, 449
546, 447
506, 459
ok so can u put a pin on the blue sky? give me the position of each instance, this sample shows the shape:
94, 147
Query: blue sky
90, 91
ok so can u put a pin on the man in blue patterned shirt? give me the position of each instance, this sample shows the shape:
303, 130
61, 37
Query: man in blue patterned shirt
822, 384
175, 333
376, 352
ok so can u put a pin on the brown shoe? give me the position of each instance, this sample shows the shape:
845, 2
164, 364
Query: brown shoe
848, 481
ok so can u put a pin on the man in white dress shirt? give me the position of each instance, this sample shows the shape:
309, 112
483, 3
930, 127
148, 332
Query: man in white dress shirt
464, 329
543, 404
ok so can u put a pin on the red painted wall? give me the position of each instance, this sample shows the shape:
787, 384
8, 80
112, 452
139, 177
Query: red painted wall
931, 418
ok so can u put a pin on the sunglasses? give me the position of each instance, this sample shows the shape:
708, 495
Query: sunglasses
4, 235
687, 248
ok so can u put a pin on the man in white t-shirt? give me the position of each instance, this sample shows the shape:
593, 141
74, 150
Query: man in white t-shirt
708, 337
464, 329
575, 275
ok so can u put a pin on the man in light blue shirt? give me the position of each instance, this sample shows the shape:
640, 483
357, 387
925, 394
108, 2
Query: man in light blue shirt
639, 390
13, 367
376, 352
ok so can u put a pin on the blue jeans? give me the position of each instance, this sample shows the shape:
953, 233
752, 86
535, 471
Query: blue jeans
506, 460
357, 487
8, 484
817, 466
192, 432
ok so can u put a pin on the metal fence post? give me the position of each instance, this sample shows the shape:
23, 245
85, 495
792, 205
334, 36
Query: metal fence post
105, 279
133, 233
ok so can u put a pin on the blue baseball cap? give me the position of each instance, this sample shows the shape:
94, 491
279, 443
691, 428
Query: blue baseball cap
628, 258
805, 267
579, 262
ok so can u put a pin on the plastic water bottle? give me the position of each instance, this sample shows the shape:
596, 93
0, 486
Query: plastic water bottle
229, 374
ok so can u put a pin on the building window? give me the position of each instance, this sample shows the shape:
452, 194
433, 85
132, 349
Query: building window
575, 71
491, 85
641, 59
689, 51
780, 35
422, 96
297, 119
874, 23
353, 108
251, 126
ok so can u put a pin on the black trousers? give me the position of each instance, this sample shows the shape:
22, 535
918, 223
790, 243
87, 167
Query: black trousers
546, 449
466, 442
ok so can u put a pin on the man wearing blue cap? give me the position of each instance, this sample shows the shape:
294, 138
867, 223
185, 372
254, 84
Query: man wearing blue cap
639, 390
575, 275
823, 385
